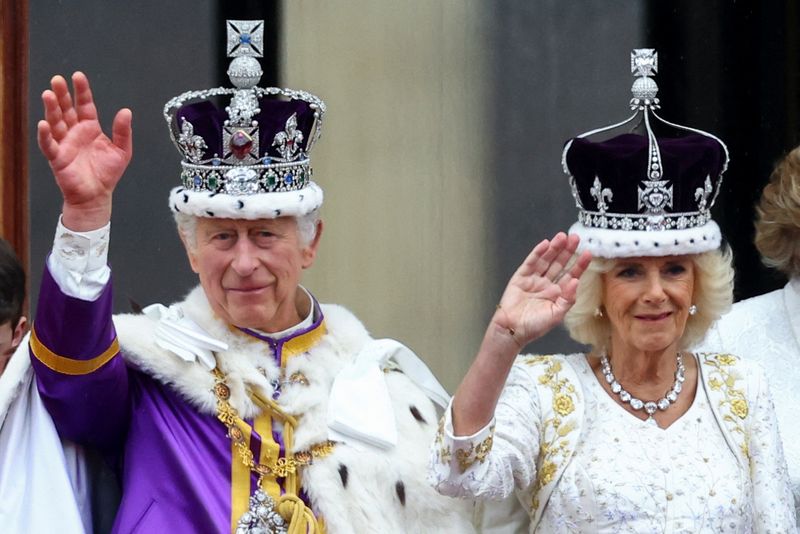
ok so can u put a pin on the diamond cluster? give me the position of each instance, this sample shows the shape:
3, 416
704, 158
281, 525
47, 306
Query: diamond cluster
261, 517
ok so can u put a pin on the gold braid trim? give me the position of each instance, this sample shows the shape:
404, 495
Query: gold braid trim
294, 511
67, 365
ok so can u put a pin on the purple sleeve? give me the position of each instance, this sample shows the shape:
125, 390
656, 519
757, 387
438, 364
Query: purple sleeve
81, 376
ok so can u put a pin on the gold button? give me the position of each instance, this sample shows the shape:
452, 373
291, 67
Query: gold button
669, 496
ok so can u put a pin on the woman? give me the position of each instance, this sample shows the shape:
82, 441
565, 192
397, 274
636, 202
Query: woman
767, 328
637, 435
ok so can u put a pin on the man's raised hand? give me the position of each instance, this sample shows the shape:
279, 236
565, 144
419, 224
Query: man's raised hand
86, 164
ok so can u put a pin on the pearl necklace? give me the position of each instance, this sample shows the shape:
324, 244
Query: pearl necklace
637, 404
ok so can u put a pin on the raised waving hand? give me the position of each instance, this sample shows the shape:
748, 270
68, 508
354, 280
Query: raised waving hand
535, 300
542, 289
86, 163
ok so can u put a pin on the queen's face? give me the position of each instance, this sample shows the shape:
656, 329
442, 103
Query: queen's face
250, 270
647, 301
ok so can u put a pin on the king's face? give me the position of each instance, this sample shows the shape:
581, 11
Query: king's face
250, 270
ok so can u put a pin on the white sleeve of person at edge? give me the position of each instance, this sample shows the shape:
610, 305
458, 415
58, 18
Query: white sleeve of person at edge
360, 409
350, 418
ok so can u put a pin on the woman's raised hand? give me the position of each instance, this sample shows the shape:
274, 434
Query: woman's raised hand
535, 300
542, 289
87, 165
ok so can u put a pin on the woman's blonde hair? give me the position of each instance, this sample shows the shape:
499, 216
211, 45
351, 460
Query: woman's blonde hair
713, 296
778, 217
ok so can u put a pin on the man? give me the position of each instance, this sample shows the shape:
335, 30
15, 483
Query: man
12, 297
34, 464
248, 407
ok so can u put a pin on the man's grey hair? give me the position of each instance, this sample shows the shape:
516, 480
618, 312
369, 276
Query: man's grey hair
306, 227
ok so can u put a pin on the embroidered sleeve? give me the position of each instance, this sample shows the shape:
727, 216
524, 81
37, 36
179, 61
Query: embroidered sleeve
772, 495
497, 458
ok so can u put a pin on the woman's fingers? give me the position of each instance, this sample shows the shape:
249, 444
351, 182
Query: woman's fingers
557, 267
551, 258
542, 255
553, 262
568, 293
581, 264
529, 264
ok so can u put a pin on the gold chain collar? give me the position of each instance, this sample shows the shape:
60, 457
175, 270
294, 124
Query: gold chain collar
280, 467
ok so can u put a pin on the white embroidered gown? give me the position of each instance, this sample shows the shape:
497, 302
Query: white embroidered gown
766, 329
625, 475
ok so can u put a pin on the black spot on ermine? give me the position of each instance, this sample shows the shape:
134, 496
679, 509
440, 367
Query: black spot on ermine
418, 416
401, 491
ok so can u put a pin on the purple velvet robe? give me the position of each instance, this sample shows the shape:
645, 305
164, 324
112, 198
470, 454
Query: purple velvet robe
175, 463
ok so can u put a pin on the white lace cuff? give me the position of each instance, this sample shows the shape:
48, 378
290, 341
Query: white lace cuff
78, 262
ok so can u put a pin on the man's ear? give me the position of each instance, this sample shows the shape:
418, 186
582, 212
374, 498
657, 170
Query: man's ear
310, 251
19, 332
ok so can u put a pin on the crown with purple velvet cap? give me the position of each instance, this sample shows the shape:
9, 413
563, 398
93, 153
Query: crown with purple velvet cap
249, 160
639, 195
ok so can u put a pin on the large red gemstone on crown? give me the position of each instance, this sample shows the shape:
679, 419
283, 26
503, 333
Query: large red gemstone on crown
240, 144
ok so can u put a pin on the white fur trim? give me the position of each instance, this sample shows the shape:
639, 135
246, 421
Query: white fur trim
369, 501
244, 361
194, 383
609, 243
258, 206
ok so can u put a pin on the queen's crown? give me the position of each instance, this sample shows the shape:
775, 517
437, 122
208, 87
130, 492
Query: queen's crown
637, 182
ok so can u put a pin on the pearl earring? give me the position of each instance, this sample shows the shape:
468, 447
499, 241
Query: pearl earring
692, 310
598, 312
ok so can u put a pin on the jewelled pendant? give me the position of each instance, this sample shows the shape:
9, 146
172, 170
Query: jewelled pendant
261, 517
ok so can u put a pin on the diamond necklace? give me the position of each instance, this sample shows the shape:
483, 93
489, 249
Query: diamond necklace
637, 404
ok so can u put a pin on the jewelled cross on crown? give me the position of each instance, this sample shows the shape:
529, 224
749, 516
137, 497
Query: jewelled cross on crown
655, 195
660, 202
240, 134
245, 38
644, 64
